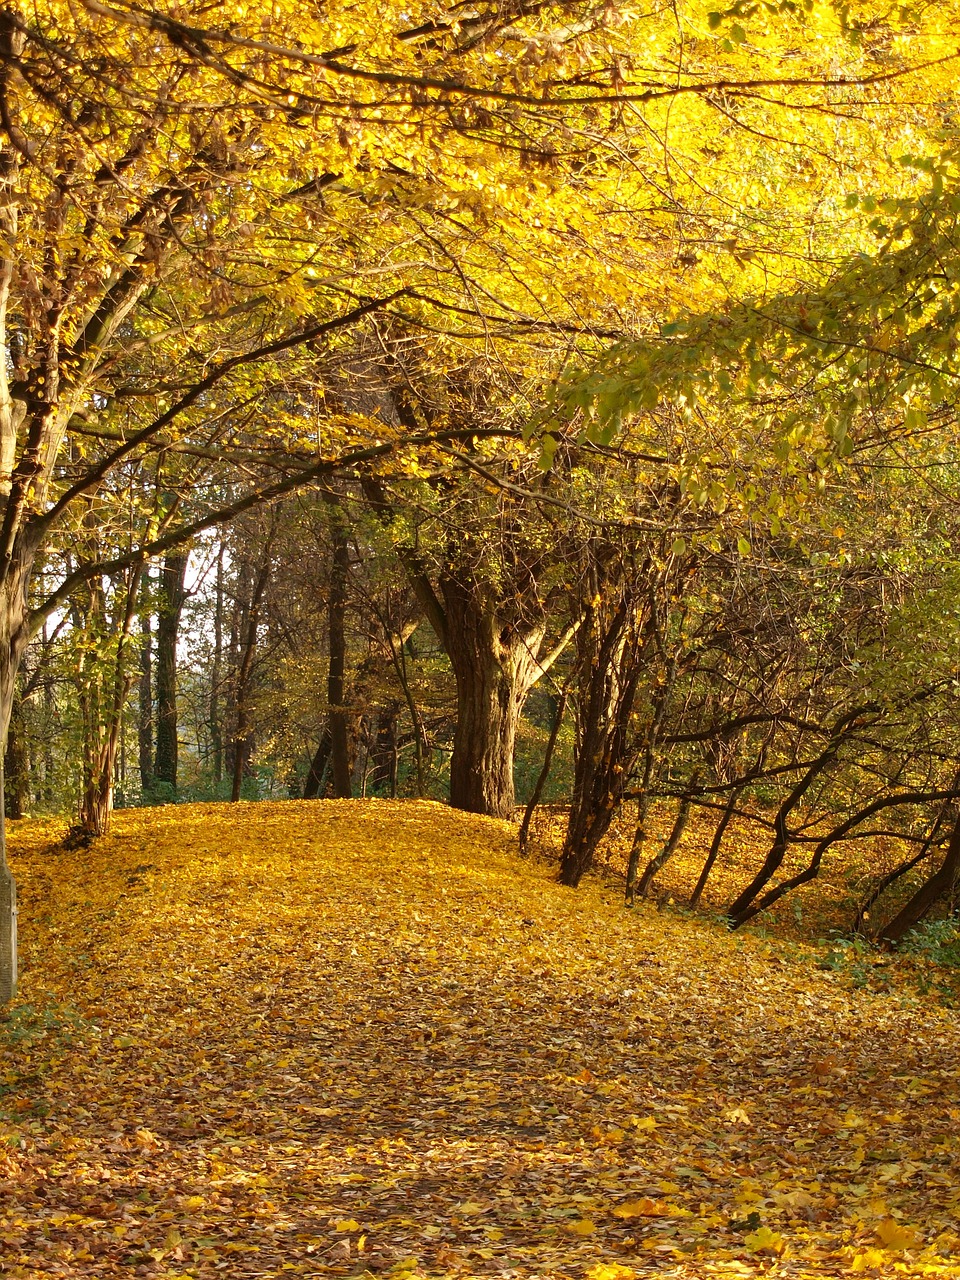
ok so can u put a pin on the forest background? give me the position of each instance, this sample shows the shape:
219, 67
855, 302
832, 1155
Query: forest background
553, 399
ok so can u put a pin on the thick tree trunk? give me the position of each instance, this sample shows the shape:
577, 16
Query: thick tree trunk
495, 666
493, 639
489, 702
384, 753
610, 660
14, 638
172, 597
16, 763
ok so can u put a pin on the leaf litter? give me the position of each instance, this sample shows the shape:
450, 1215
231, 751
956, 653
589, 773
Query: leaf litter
363, 1039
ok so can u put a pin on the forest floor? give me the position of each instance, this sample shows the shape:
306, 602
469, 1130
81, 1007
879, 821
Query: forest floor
364, 1039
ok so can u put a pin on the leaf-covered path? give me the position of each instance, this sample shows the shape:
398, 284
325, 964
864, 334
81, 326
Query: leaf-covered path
345, 1038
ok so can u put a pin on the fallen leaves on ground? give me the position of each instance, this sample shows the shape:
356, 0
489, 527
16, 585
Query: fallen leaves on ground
362, 1039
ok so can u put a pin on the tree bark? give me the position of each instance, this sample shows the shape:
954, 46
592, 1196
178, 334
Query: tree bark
544, 773
611, 665
670, 847
941, 883
495, 666
316, 775
216, 676
248, 648
384, 753
714, 851
172, 598
337, 711
493, 638
145, 721
16, 763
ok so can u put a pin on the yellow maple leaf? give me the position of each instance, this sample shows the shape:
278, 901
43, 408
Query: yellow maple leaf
643, 1208
582, 1227
346, 1224
610, 1271
764, 1241
895, 1236
868, 1260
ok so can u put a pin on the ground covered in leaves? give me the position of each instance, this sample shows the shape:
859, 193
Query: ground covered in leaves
362, 1039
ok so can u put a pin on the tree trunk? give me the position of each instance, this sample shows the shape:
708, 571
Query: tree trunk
248, 648
384, 754
14, 638
216, 676
495, 668
316, 776
610, 663
669, 849
544, 773
172, 597
493, 639
337, 710
145, 722
941, 883
714, 851
96, 803
16, 763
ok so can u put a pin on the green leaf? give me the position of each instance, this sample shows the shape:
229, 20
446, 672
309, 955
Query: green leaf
714, 19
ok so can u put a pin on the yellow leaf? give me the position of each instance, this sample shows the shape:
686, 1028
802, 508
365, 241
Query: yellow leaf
764, 1241
610, 1271
347, 1224
582, 1227
896, 1237
644, 1208
868, 1260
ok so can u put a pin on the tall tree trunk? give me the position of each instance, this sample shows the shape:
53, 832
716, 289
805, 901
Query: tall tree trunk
337, 710
714, 851
97, 800
145, 720
544, 773
493, 639
14, 638
172, 597
248, 648
216, 675
16, 763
